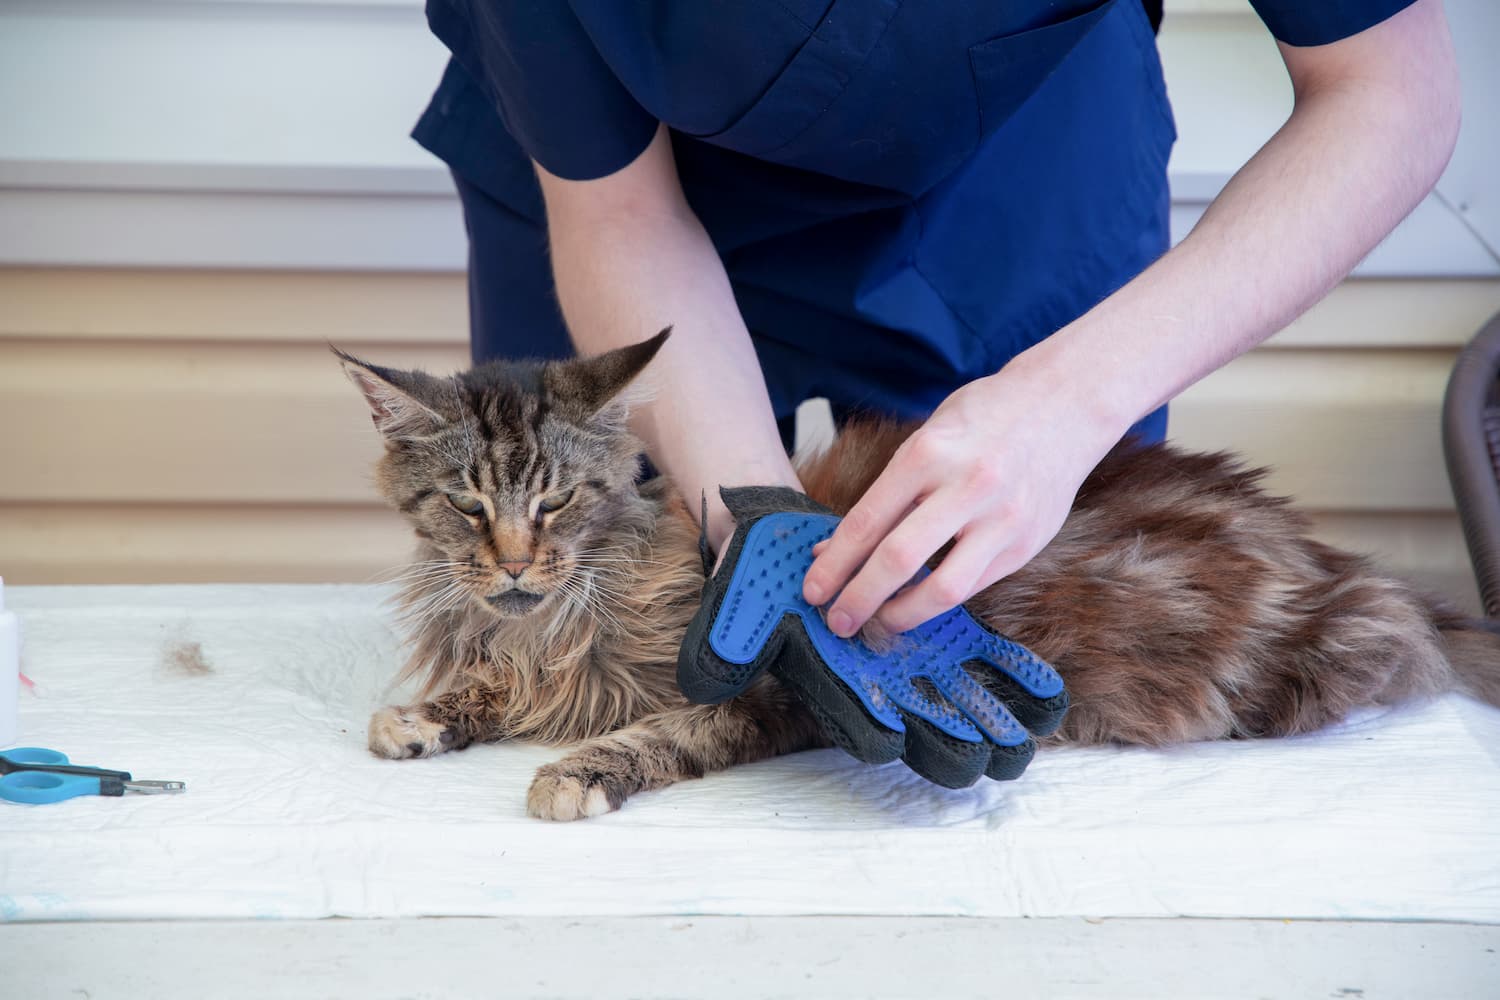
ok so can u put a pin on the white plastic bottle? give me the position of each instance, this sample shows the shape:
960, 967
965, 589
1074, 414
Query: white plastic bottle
10, 673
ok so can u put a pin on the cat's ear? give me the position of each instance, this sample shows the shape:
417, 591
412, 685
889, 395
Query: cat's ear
400, 401
593, 383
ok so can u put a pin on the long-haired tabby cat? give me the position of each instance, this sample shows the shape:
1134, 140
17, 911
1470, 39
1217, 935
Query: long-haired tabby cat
1179, 602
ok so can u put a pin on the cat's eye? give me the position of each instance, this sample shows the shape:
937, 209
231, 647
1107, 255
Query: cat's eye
466, 503
554, 501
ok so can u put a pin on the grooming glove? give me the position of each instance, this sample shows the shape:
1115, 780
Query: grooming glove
951, 698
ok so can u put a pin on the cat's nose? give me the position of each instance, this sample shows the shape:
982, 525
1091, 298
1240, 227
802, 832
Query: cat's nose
515, 569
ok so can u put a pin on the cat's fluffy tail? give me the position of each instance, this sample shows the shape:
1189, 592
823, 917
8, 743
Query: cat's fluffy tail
1473, 648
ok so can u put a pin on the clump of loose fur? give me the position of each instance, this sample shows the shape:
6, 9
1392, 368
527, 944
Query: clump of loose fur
1179, 601
185, 657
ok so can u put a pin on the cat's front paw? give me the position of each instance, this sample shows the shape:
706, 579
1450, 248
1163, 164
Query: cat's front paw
405, 732
558, 793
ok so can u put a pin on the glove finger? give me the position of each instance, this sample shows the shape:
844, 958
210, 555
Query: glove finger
1008, 763
1041, 716
986, 711
704, 676
1008, 747
940, 758
842, 716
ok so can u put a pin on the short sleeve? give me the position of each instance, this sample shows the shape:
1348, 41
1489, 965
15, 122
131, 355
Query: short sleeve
1318, 22
556, 95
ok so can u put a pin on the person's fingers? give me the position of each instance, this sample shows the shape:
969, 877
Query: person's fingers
895, 560
857, 535
1006, 562
958, 577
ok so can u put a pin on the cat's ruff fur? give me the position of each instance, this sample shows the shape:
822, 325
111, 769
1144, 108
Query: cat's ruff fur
1179, 601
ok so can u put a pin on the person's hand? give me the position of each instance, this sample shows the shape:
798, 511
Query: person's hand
995, 468
954, 699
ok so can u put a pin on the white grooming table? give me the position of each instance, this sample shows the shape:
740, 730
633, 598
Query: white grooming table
1343, 847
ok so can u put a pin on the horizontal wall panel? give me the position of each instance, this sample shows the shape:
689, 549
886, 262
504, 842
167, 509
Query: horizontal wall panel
1396, 313
194, 229
421, 307
209, 543
144, 81
258, 306
268, 228
1228, 86
1428, 550
148, 134
1353, 430
190, 425
1471, 183
174, 543
189, 422
428, 178
229, 422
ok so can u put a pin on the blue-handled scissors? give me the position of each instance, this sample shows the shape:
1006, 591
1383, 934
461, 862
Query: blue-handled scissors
39, 775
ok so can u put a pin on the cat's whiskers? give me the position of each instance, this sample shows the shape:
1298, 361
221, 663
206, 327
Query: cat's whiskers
424, 607
420, 570
588, 588
571, 604
419, 621
576, 594
425, 576
587, 594
423, 580
606, 573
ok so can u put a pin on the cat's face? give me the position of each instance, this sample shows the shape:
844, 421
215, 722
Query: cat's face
515, 473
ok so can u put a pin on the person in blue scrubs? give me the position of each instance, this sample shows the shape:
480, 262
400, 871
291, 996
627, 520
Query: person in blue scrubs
950, 212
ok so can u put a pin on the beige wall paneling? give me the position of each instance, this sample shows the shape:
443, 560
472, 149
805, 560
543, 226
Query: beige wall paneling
187, 426
192, 426
252, 306
105, 542
320, 306
1426, 548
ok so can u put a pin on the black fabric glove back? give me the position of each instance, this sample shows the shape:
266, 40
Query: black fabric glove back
951, 698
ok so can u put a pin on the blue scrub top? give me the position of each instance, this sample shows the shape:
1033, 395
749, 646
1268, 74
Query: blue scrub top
905, 196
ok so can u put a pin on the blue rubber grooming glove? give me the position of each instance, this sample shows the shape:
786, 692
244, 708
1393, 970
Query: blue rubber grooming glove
951, 698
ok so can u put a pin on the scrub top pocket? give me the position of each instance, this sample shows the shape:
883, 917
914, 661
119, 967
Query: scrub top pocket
897, 96
813, 81
1009, 69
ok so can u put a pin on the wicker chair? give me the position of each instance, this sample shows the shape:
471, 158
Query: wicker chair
1471, 442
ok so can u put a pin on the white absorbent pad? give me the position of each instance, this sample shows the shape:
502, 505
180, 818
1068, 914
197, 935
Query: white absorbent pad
1394, 815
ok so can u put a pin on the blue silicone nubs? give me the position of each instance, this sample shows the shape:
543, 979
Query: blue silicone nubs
951, 697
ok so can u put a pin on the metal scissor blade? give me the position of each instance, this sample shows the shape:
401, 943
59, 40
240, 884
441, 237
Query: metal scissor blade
155, 787
9, 766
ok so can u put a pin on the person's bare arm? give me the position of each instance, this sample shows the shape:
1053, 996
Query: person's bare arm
998, 464
629, 257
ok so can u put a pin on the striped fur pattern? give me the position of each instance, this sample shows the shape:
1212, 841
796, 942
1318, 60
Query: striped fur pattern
1179, 602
